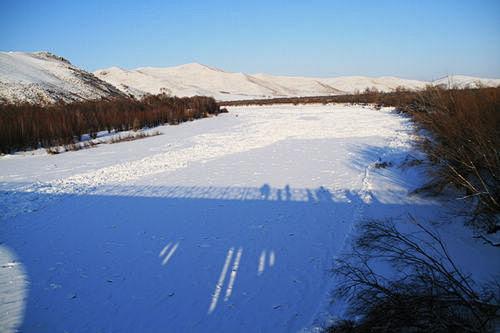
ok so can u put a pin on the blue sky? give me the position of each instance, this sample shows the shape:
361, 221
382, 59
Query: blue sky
413, 39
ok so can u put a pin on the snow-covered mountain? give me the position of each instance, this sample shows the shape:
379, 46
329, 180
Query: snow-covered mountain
42, 77
462, 81
196, 79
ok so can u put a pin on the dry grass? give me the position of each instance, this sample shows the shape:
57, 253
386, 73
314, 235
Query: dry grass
71, 147
132, 137
93, 143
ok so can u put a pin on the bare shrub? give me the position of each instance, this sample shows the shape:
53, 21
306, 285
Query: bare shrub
132, 137
53, 150
382, 165
464, 144
427, 293
71, 147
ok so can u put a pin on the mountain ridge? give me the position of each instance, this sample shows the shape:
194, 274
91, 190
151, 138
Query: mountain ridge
43, 77
223, 85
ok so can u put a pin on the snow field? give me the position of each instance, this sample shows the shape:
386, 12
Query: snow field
223, 224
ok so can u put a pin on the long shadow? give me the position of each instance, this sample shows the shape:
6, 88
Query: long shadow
176, 259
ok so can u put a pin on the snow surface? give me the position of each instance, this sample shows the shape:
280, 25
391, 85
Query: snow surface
196, 79
42, 77
224, 224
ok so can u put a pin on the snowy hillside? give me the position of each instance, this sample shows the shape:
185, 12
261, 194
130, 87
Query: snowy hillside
462, 81
196, 79
42, 77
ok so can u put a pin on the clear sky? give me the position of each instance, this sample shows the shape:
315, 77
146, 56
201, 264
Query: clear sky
409, 38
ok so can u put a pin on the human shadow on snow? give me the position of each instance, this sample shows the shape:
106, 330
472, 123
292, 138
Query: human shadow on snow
179, 258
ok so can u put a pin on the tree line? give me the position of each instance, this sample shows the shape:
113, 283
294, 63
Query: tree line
28, 126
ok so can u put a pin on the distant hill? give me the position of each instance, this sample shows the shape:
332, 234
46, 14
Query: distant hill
42, 77
196, 79
462, 81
